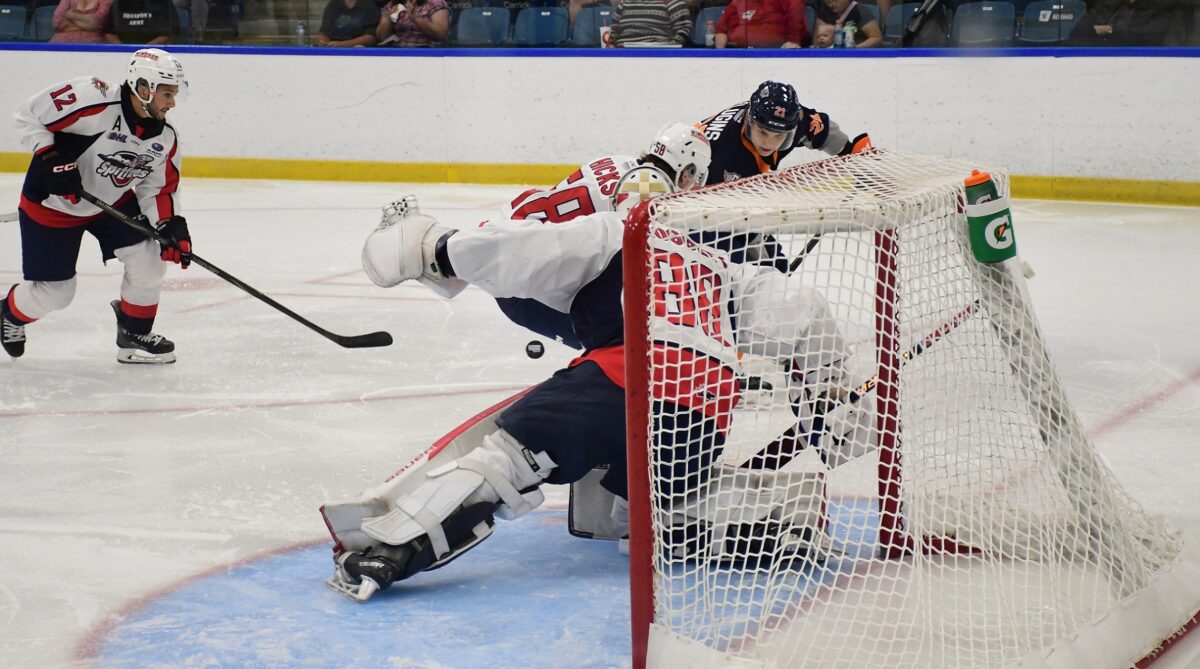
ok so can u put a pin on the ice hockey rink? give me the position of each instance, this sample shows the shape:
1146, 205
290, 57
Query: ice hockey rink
167, 516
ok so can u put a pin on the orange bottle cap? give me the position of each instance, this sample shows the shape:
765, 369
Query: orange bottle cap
977, 178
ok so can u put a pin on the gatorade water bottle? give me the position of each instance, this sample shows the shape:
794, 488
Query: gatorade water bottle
989, 220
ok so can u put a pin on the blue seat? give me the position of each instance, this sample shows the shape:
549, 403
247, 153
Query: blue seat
897, 20
540, 26
1050, 21
872, 10
482, 26
810, 18
42, 25
589, 20
702, 18
983, 24
12, 22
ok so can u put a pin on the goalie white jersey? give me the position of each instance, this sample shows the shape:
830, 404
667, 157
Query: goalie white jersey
119, 154
587, 190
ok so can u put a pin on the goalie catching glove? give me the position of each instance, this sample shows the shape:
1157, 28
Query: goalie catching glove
408, 245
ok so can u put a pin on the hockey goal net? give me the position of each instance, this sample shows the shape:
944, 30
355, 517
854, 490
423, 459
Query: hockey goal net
900, 480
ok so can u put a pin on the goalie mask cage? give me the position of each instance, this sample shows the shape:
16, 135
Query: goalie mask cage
968, 522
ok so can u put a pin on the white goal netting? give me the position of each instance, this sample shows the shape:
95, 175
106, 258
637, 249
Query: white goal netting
896, 479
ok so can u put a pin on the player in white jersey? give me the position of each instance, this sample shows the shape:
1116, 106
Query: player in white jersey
574, 422
679, 152
114, 143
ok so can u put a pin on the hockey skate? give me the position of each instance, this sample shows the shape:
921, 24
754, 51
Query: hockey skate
13, 335
141, 349
361, 574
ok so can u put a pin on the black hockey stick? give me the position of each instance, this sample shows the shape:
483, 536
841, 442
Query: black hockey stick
369, 340
812, 244
784, 448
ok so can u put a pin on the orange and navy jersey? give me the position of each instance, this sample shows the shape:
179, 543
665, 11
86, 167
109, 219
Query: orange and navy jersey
734, 157
587, 190
120, 155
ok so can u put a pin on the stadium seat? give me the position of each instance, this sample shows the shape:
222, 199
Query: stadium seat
897, 20
586, 31
707, 14
540, 26
810, 19
873, 10
983, 24
482, 26
12, 23
1050, 21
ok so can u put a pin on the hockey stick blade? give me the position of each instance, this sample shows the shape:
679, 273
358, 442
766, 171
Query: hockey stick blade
370, 340
9, 218
784, 448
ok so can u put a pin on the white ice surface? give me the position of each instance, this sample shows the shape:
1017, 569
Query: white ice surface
117, 480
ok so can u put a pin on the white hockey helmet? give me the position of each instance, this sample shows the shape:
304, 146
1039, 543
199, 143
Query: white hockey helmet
638, 185
685, 150
154, 67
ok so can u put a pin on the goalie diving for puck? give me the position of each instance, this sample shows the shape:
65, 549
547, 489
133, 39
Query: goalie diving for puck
445, 501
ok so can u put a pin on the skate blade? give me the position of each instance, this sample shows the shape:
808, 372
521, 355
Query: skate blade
136, 356
359, 592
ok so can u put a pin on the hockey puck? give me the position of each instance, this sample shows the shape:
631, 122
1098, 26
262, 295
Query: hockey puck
534, 349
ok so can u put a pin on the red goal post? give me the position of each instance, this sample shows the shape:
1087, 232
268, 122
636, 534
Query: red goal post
974, 497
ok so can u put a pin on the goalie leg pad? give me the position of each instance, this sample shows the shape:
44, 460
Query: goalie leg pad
500, 471
752, 517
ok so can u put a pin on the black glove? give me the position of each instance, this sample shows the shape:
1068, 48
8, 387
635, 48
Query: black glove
176, 243
61, 174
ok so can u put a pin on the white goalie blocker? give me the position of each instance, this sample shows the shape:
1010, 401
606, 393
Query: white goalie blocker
427, 492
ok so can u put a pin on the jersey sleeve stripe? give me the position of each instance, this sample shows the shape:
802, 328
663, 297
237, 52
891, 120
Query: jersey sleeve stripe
164, 201
78, 114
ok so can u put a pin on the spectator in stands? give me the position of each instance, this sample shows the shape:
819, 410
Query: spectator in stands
1131, 23
348, 23
853, 20
199, 17
143, 22
576, 6
822, 36
762, 24
651, 23
81, 21
419, 23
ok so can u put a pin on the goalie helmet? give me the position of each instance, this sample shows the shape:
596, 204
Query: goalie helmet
684, 151
154, 67
638, 185
774, 107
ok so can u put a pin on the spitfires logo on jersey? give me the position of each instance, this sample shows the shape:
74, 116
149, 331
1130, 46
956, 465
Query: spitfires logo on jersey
123, 167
